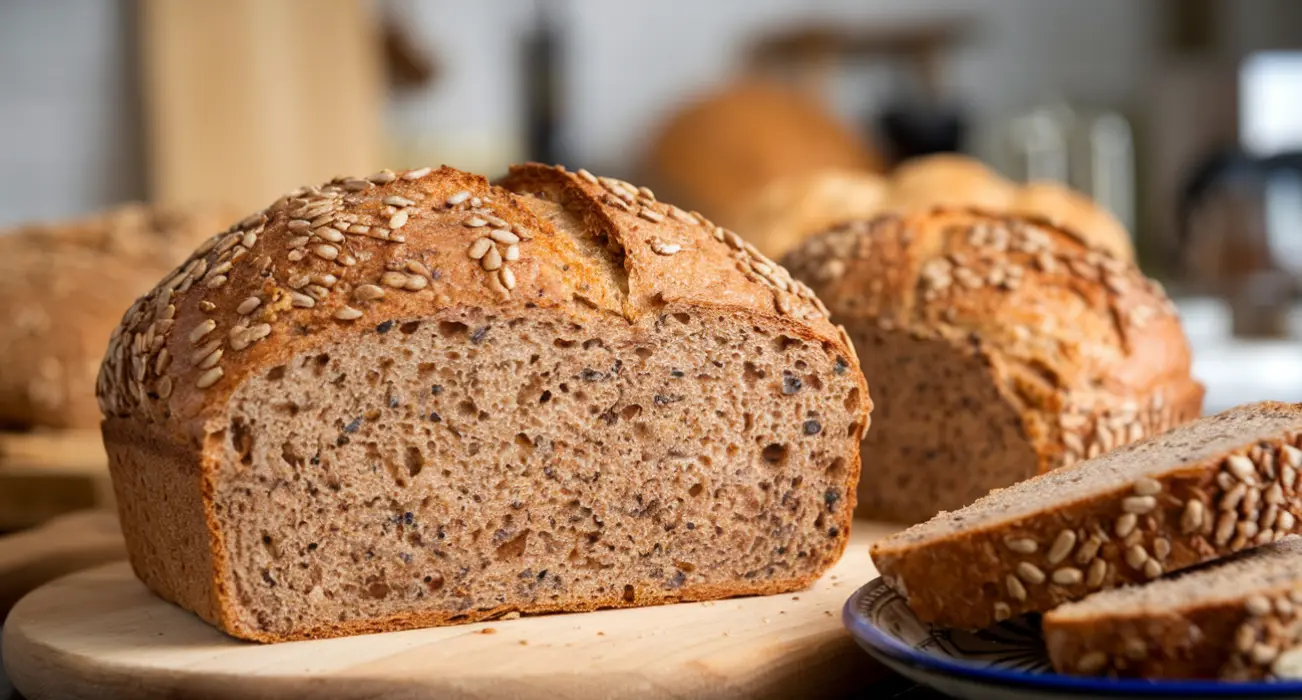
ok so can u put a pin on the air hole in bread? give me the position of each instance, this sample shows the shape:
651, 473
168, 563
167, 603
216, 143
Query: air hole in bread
630, 411
682, 318
242, 440
513, 548
415, 461
695, 490
629, 594
753, 373
644, 353
852, 400
593, 343
452, 329
775, 453
409, 327
784, 342
564, 343
276, 373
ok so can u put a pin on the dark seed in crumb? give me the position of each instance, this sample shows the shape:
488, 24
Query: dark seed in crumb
813, 427
592, 375
665, 400
266, 576
478, 336
393, 402
790, 384
408, 518
312, 547
266, 539
833, 532
542, 574
384, 327
677, 374
428, 579
316, 459
436, 389
434, 416
353, 426
782, 550
405, 557
341, 441
841, 366
678, 580
691, 526
831, 497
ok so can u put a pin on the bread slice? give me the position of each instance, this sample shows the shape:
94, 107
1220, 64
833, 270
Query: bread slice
1236, 619
998, 348
1196, 493
418, 399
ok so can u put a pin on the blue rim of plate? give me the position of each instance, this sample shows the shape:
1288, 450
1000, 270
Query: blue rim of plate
880, 642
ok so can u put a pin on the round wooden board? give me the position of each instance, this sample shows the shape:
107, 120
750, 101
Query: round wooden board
100, 633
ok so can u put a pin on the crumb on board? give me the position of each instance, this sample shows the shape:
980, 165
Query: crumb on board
524, 642
827, 613
488, 630
601, 634
795, 597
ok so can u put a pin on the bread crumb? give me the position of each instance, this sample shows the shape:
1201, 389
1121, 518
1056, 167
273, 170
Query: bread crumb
827, 613
766, 620
488, 630
601, 634
795, 597
524, 642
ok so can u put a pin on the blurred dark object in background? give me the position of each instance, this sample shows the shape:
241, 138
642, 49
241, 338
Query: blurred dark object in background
541, 56
918, 128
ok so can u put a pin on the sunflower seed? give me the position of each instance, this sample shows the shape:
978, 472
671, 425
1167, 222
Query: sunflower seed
1021, 545
416, 174
479, 248
1241, 467
347, 313
458, 198
368, 292
247, 306
1097, 571
1139, 504
512, 253
208, 378
1148, 487
1192, 520
1062, 546
1029, 572
1068, 576
398, 220
507, 277
1126, 525
492, 260
1015, 588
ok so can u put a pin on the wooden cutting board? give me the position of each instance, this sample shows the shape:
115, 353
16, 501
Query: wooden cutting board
100, 634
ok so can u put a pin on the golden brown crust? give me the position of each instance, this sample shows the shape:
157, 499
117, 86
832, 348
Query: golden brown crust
1196, 512
1082, 343
324, 264
787, 211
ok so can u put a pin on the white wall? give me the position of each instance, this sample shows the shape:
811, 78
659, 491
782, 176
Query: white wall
68, 137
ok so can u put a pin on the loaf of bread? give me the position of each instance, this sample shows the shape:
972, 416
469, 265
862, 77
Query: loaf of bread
419, 399
1197, 493
63, 286
717, 151
781, 215
997, 348
1237, 619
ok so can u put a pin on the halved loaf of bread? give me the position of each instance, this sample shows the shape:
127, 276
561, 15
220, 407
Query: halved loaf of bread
1196, 493
1236, 619
998, 348
418, 399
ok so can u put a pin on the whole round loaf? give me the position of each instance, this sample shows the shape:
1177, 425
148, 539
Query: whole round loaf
998, 348
781, 215
417, 398
63, 286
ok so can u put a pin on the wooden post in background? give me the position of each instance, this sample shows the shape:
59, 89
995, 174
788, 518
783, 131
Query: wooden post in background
247, 99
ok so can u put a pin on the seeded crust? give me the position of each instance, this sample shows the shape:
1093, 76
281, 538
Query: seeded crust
1238, 619
1200, 492
784, 213
999, 347
305, 420
62, 287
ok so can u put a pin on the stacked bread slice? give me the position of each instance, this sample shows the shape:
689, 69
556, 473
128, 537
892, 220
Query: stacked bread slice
1196, 494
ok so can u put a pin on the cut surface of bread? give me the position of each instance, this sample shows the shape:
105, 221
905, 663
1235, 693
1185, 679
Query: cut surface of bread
414, 438
1237, 619
1196, 493
998, 348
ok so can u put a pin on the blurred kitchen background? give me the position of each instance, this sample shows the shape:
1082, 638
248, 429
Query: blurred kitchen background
1182, 117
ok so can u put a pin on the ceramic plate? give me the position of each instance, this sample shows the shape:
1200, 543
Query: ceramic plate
1005, 662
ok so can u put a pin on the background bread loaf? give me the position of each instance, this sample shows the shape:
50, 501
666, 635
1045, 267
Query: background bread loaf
416, 399
998, 348
781, 215
63, 287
